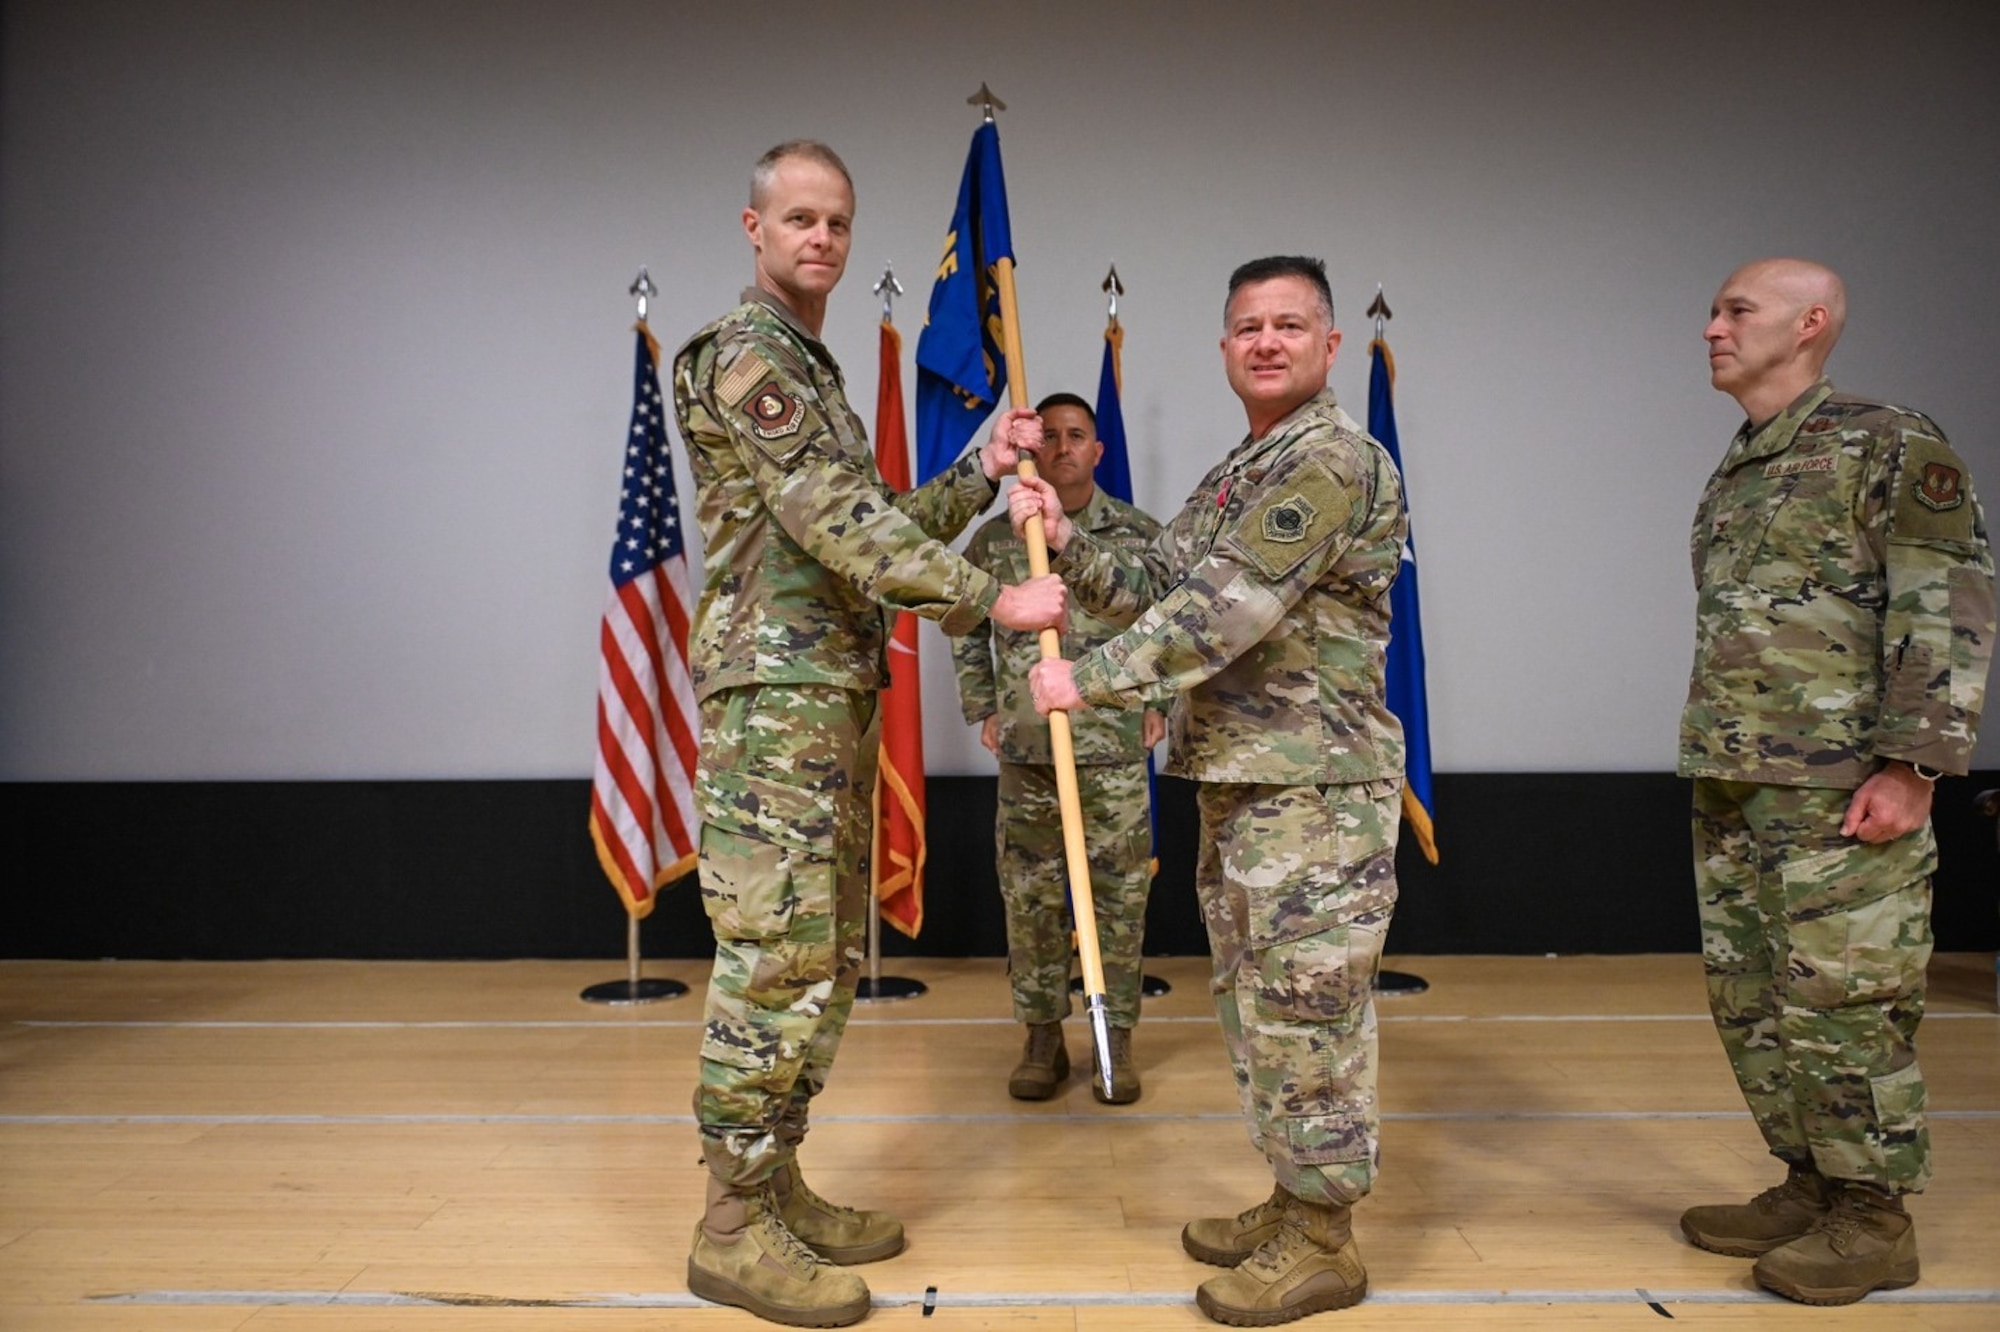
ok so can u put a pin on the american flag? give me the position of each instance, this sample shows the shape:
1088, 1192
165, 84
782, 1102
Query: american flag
642, 799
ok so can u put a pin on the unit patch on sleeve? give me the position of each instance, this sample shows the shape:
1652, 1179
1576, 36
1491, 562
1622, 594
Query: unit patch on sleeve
1298, 514
1938, 489
1932, 500
774, 413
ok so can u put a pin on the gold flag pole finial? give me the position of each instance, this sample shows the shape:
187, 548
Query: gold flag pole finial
986, 102
643, 288
888, 289
1113, 289
1379, 312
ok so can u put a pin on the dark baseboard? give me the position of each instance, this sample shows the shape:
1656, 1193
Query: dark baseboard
1530, 863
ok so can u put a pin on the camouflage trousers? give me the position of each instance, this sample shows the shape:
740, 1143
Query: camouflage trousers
1297, 884
1034, 883
784, 783
1815, 947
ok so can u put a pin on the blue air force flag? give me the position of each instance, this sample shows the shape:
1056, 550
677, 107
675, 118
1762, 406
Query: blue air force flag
1406, 631
961, 367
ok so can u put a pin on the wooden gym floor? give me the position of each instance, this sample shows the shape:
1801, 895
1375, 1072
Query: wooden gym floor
192, 1147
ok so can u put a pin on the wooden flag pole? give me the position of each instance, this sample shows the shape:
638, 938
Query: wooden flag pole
1068, 798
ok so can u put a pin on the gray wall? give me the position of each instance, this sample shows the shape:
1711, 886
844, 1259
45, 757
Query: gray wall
314, 353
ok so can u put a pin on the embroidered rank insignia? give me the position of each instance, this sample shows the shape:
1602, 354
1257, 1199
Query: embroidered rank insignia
774, 413
1289, 520
1937, 488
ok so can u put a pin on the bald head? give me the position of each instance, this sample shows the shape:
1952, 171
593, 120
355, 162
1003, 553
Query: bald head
1798, 285
1773, 324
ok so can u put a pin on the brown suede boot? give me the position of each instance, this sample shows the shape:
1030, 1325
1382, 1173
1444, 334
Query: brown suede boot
1227, 1240
1778, 1215
1312, 1265
1044, 1064
843, 1235
1124, 1078
1864, 1242
744, 1256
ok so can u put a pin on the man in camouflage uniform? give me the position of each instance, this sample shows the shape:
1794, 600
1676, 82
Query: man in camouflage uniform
1844, 627
804, 547
1264, 606
1111, 751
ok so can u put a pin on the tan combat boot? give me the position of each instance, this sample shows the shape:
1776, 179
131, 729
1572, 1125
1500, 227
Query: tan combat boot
1227, 1240
1312, 1265
1778, 1215
1044, 1064
1124, 1078
745, 1257
1864, 1242
843, 1235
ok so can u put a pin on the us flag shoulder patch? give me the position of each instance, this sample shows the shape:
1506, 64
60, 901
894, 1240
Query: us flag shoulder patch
743, 374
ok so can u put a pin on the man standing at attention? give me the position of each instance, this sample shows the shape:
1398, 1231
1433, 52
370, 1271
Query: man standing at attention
1111, 752
804, 546
1264, 606
1844, 627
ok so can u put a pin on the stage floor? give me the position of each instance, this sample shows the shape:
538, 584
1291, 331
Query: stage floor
456, 1146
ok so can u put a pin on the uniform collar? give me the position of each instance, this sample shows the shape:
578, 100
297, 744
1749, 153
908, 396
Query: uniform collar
765, 300
1321, 403
1096, 510
1775, 435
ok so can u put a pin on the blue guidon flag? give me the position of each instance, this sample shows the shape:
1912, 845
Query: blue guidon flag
1406, 630
961, 365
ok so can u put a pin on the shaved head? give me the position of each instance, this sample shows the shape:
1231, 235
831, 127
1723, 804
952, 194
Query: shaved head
1770, 330
1798, 285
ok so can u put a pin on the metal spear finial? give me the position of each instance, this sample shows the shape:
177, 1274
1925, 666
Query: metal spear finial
1113, 289
888, 289
986, 102
1380, 311
642, 287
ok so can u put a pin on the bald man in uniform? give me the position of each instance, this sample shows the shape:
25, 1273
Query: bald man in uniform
1843, 632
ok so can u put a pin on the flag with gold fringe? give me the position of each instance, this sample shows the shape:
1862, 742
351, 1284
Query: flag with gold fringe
642, 815
897, 868
1405, 668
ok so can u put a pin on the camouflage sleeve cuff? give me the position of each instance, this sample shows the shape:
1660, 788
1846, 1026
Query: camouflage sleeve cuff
1101, 685
969, 612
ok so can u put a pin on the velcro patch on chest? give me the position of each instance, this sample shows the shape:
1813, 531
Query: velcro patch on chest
1293, 518
1793, 466
1932, 501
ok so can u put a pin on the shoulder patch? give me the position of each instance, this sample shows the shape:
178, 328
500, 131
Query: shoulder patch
773, 412
744, 373
1301, 511
1932, 501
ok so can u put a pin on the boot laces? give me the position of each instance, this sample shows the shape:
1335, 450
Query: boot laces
1271, 1258
1793, 1189
1043, 1038
792, 1250
1843, 1222
803, 1191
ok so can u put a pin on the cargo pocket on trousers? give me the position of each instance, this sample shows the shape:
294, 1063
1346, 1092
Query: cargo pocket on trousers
1321, 977
757, 859
1847, 947
1900, 1102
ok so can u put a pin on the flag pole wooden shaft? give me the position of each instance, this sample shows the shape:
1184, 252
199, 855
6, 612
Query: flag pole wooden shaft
1069, 799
